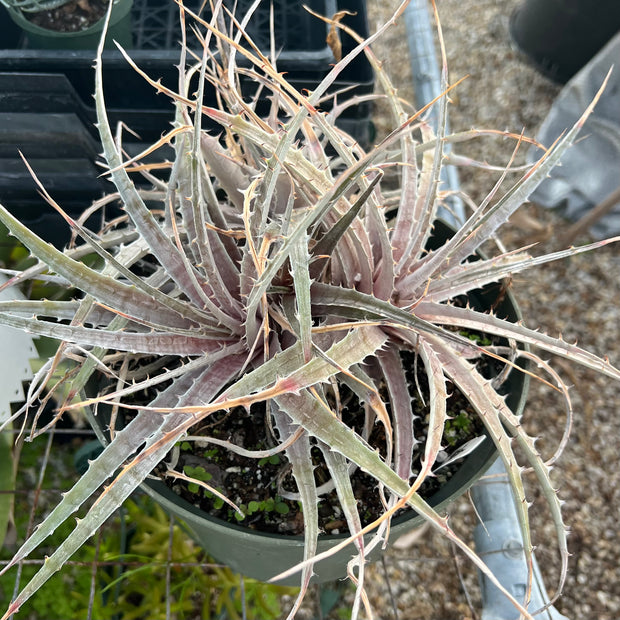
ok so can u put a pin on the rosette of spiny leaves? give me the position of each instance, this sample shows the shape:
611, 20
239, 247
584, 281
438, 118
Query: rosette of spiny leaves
266, 267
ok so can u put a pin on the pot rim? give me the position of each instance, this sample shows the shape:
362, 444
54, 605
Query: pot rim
119, 10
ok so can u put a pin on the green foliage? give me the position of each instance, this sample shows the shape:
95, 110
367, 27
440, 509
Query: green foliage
198, 473
131, 578
197, 590
66, 595
131, 555
269, 505
482, 339
14, 255
457, 427
7, 482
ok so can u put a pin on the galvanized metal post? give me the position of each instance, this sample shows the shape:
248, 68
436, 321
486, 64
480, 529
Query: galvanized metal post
427, 86
498, 538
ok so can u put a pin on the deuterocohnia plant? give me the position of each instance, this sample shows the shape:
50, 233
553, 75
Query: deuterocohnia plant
273, 262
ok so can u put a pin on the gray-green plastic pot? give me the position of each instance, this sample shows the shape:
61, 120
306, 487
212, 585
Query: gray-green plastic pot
43, 38
263, 556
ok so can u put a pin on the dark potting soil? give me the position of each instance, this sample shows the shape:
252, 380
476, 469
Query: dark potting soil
71, 17
264, 488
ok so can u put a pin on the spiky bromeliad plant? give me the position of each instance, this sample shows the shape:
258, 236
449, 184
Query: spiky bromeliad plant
277, 269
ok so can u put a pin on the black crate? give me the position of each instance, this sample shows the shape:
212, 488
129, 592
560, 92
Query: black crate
55, 88
156, 26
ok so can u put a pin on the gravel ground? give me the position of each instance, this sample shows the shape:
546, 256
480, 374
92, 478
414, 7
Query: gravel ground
577, 298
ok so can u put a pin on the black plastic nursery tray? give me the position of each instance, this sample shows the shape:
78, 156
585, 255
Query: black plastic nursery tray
46, 104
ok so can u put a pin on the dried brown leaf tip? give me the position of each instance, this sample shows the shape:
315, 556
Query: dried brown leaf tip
333, 36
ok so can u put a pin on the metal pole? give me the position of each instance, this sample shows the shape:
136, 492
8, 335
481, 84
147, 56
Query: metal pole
499, 543
427, 86
498, 539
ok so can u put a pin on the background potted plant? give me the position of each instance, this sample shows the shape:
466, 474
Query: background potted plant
70, 24
47, 106
277, 265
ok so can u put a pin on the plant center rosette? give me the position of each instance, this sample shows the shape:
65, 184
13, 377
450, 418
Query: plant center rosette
260, 492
